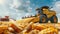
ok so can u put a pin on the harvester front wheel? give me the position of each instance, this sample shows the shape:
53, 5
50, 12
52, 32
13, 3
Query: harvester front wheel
43, 19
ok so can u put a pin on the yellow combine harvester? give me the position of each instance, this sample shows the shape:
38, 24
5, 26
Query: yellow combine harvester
46, 14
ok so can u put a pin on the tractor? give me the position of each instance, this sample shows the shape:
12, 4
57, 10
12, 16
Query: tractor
6, 18
45, 15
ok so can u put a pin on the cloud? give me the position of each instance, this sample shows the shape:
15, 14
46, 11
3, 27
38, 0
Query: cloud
56, 7
29, 9
16, 3
21, 7
15, 8
27, 3
2, 1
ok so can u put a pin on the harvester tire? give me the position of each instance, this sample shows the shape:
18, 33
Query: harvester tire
54, 19
43, 19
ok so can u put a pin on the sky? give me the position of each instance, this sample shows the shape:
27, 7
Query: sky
19, 8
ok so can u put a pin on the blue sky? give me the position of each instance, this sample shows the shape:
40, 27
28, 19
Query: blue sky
42, 2
19, 8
